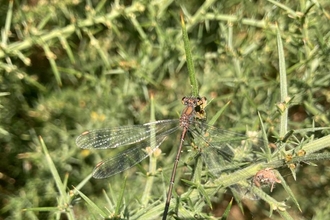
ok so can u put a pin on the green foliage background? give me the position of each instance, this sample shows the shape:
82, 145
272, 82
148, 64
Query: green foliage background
69, 66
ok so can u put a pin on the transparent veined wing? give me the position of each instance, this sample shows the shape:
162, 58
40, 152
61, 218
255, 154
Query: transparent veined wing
127, 158
220, 147
150, 135
125, 135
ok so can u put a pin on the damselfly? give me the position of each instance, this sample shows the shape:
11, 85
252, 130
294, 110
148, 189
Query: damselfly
216, 145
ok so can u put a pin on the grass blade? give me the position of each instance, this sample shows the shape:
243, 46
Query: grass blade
189, 59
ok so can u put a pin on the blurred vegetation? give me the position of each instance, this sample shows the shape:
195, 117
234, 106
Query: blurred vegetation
69, 66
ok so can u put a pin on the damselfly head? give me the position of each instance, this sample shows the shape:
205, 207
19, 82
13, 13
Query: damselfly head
196, 101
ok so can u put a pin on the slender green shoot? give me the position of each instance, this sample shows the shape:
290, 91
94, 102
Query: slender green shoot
283, 87
189, 59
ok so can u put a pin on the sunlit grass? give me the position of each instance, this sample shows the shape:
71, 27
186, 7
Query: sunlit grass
69, 67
